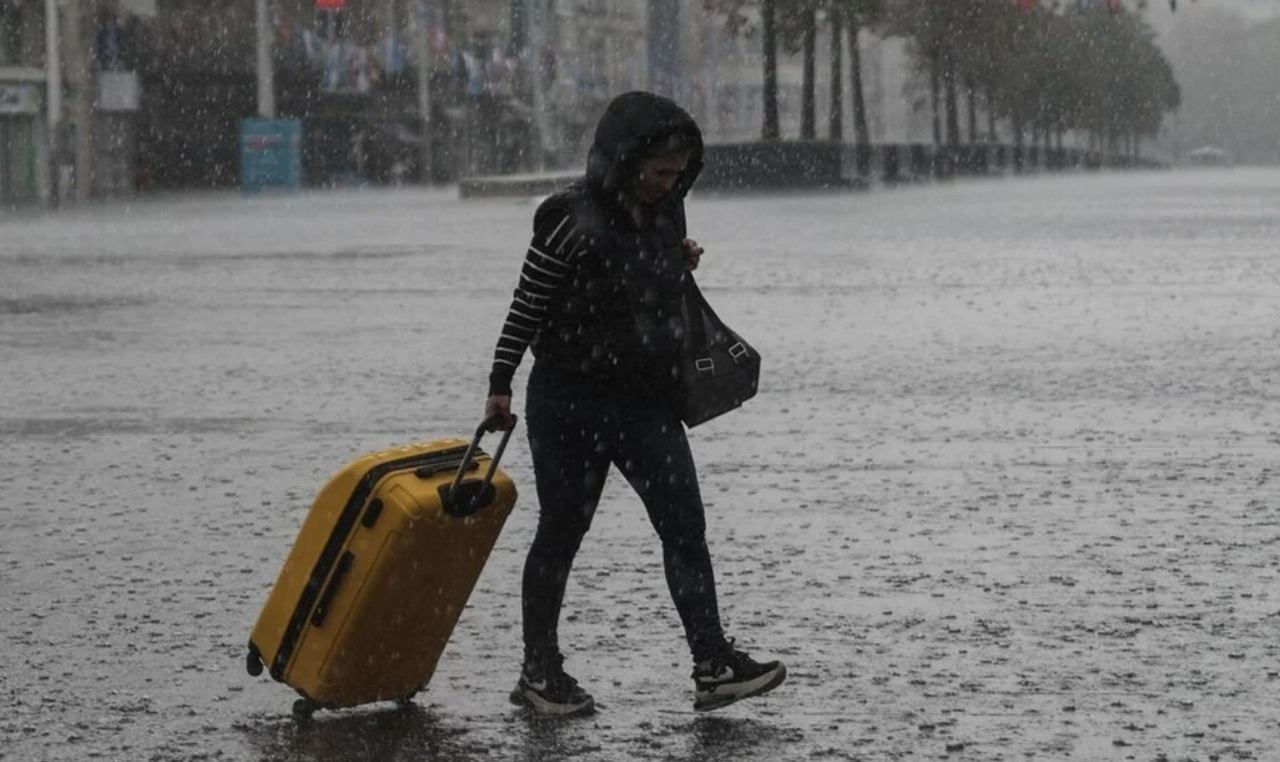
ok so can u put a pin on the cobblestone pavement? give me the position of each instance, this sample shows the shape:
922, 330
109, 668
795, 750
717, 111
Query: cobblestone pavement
1009, 491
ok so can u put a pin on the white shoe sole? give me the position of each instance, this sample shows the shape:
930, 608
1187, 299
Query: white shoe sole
705, 701
536, 703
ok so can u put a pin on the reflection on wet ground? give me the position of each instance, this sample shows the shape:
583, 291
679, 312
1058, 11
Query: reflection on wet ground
408, 733
713, 738
415, 733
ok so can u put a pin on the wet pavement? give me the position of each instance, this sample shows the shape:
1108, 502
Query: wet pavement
1009, 490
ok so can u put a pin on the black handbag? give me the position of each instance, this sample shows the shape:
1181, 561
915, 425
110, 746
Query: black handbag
718, 370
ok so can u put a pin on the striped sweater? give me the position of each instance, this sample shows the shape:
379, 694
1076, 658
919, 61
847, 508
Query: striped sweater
554, 251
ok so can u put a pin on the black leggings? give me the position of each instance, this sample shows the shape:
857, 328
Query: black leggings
576, 431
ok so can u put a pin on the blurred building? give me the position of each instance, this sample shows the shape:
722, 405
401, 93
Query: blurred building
595, 49
339, 67
151, 91
24, 133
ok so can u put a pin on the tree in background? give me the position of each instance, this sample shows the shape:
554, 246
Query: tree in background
809, 54
768, 22
925, 24
798, 27
1092, 68
857, 15
835, 128
736, 22
1044, 69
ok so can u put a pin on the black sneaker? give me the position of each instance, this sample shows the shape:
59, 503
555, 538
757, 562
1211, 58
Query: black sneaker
733, 676
547, 689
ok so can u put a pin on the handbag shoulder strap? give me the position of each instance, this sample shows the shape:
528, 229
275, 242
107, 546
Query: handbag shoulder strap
696, 309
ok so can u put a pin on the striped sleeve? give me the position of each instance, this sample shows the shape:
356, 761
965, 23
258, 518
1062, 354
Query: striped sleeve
555, 247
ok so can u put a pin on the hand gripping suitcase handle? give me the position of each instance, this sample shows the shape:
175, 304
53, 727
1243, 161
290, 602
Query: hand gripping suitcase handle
464, 499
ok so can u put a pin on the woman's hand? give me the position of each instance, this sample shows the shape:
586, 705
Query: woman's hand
692, 254
499, 405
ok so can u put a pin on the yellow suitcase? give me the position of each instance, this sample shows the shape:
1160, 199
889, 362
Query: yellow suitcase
380, 572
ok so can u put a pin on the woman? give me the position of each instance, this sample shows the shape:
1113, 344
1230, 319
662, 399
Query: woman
599, 304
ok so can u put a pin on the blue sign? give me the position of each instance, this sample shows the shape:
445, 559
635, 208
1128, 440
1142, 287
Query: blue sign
270, 155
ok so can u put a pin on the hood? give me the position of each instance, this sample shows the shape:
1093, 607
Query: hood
632, 124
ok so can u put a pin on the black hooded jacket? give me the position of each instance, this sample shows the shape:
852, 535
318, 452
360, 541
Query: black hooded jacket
600, 296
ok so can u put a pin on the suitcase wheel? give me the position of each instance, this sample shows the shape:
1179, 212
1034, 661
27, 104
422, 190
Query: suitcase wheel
304, 708
253, 663
407, 700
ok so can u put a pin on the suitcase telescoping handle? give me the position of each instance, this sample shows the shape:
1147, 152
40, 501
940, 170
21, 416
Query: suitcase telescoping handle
461, 499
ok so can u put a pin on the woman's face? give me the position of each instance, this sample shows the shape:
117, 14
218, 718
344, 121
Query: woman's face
659, 175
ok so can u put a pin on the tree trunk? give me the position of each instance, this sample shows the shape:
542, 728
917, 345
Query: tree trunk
837, 76
1018, 142
991, 118
953, 108
861, 135
808, 99
972, 94
769, 31
935, 86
